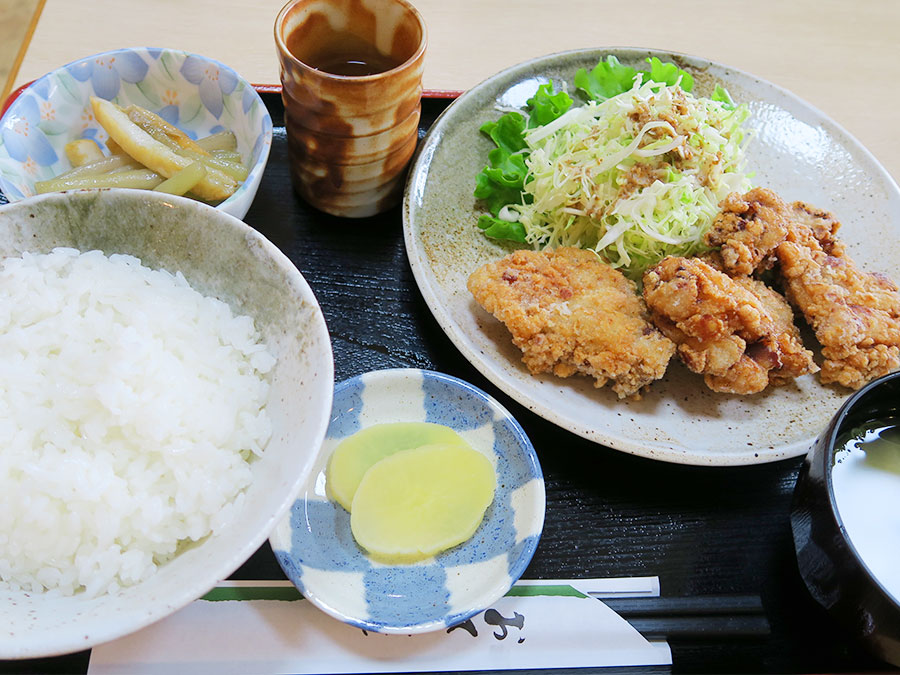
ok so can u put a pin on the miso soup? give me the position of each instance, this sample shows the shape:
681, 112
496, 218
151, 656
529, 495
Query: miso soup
866, 485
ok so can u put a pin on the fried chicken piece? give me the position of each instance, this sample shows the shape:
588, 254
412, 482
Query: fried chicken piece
748, 228
811, 227
738, 334
569, 313
782, 351
854, 314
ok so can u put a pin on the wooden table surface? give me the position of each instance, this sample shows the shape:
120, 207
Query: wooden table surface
842, 57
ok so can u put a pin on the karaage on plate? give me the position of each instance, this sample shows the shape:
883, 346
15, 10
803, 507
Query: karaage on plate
748, 228
569, 312
855, 314
738, 333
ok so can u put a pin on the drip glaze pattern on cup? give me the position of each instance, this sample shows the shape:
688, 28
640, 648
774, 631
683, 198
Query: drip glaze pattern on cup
350, 138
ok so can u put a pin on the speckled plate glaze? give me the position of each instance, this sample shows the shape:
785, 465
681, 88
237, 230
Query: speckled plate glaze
797, 151
316, 549
197, 94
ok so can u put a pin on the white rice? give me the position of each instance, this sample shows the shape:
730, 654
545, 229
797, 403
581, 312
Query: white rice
130, 406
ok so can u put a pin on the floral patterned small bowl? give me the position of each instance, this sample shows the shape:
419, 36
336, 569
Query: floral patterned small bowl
198, 95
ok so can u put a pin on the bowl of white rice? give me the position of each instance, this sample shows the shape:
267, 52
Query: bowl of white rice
165, 386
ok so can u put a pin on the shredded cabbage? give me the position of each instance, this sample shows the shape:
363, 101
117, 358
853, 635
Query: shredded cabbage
635, 177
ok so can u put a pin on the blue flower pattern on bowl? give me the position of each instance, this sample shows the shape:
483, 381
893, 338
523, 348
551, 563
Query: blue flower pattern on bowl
199, 95
316, 549
212, 82
106, 72
23, 140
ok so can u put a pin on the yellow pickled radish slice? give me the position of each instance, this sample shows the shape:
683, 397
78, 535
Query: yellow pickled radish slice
419, 502
357, 453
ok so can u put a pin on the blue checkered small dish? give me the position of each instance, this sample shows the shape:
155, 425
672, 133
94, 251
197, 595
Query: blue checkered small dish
316, 549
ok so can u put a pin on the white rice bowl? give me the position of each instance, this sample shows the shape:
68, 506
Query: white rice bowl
248, 460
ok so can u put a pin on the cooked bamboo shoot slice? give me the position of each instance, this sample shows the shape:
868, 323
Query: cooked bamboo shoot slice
101, 166
221, 140
83, 151
143, 179
215, 186
237, 171
183, 181
161, 130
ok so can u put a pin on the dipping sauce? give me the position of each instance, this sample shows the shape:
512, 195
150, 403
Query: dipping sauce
866, 484
340, 53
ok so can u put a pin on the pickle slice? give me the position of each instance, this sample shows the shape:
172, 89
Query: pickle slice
357, 453
419, 502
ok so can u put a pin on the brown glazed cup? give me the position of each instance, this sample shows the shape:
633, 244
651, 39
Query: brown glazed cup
350, 137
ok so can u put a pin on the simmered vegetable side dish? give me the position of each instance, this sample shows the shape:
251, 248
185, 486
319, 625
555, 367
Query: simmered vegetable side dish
146, 152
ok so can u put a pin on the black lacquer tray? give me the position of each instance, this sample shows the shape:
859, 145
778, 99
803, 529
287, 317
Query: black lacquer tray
709, 534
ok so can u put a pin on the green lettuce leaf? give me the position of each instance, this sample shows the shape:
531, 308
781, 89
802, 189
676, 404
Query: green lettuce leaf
608, 78
668, 74
501, 181
545, 106
507, 132
501, 229
721, 94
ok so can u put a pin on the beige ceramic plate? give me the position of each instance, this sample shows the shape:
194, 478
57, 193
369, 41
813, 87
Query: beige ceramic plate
797, 151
